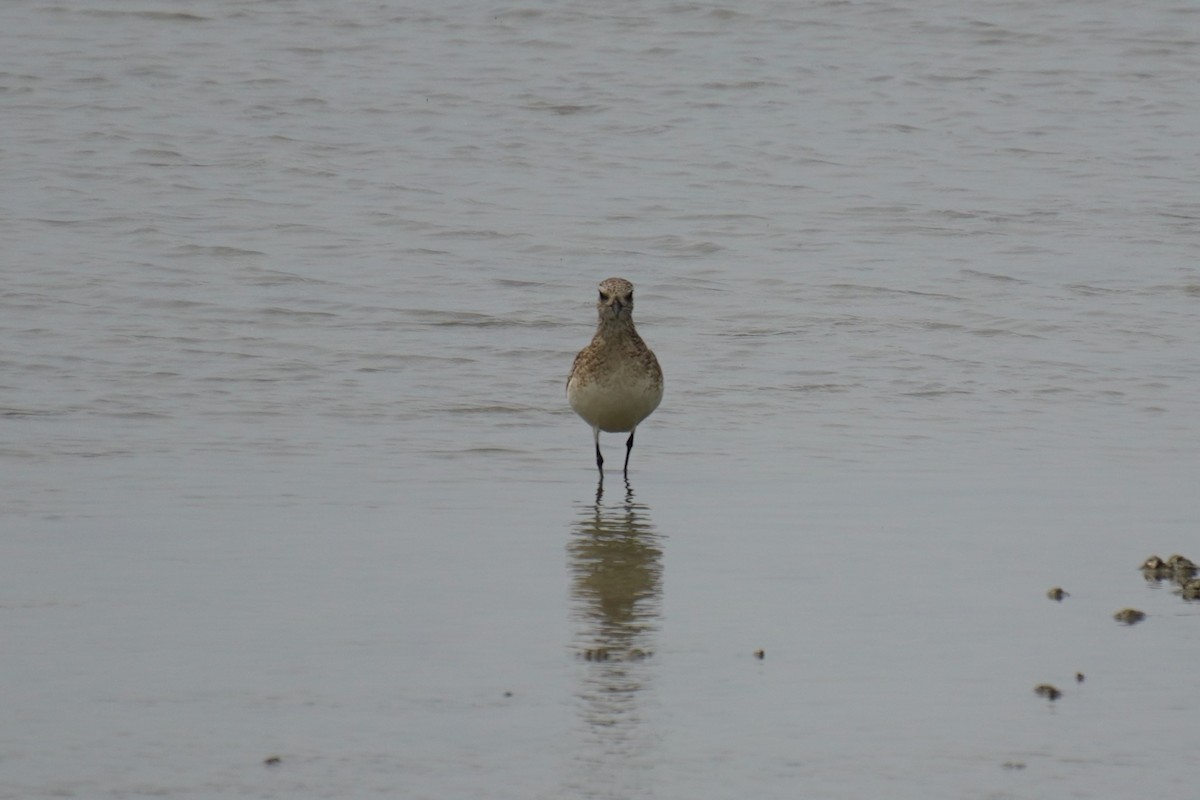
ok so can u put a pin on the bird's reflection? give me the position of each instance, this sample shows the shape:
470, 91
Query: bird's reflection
615, 557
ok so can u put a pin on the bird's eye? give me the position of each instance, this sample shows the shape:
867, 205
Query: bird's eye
603, 297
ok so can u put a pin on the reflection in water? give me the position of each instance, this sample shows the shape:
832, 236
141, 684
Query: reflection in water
616, 570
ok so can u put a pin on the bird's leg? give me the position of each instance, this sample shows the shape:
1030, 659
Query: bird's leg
599, 458
628, 450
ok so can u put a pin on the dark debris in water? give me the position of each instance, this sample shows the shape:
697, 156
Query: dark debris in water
1182, 565
1047, 691
1178, 568
1154, 564
1129, 616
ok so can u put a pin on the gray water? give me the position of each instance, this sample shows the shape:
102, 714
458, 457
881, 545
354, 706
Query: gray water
290, 292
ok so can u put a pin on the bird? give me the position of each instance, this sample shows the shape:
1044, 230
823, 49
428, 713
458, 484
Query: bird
615, 381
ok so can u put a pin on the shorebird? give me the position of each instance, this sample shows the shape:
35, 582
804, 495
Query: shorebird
615, 382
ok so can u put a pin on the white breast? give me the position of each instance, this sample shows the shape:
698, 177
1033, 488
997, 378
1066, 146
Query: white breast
616, 403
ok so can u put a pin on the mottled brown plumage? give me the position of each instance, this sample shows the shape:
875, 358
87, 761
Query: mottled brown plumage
615, 382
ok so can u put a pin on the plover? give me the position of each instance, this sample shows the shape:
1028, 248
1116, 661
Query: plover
615, 382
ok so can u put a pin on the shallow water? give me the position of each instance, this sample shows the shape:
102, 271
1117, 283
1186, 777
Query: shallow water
290, 295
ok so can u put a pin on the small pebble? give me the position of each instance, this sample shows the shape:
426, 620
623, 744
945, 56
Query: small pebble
1155, 569
1129, 616
1154, 563
1079, 677
1183, 568
272, 761
760, 654
1057, 593
1047, 691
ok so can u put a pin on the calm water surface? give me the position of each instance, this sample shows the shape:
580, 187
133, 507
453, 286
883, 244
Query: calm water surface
290, 292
